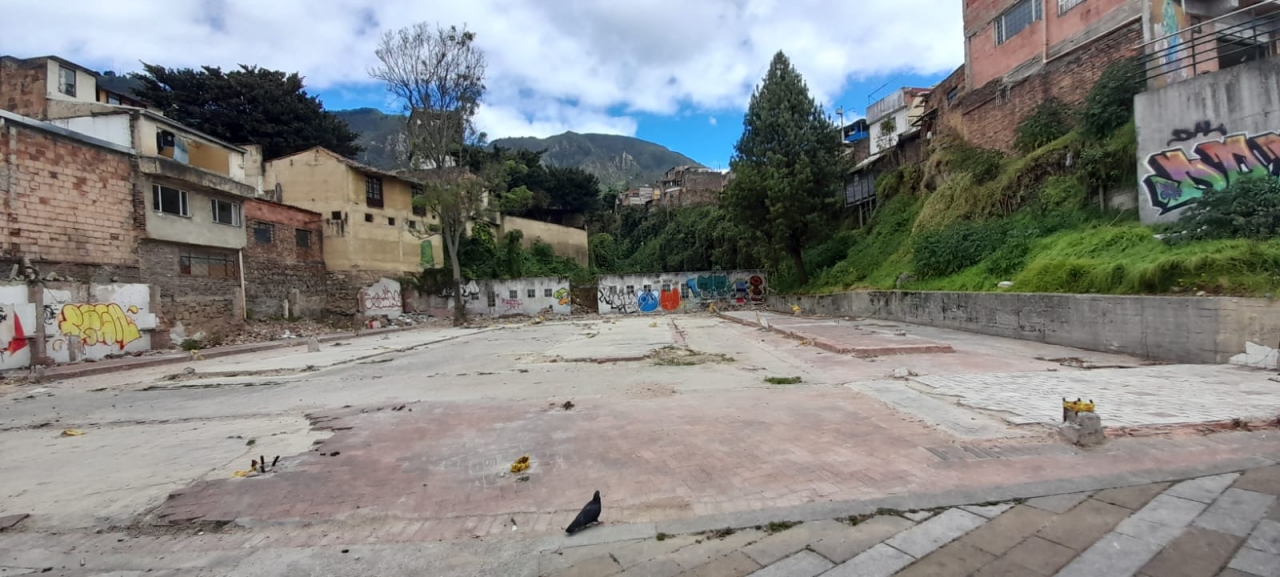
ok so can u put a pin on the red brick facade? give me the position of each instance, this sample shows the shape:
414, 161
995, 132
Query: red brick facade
283, 260
992, 112
23, 85
68, 205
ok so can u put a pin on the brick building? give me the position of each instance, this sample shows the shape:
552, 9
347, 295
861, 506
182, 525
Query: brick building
283, 260
48, 87
68, 201
691, 186
1019, 53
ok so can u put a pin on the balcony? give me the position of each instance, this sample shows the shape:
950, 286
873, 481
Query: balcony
172, 169
1206, 46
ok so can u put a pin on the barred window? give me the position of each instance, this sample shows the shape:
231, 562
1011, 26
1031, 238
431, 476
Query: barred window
1017, 19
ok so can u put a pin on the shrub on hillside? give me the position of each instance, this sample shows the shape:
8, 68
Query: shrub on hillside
957, 247
1051, 120
1247, 208
1109, 104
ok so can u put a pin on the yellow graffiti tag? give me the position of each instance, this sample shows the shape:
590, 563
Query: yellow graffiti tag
99, 324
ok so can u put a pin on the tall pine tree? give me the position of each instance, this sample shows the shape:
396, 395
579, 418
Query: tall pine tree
787, 166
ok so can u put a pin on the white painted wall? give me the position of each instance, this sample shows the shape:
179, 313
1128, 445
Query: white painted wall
113, 128
92, 322
526, 296
381, 298
17, 326
679, 291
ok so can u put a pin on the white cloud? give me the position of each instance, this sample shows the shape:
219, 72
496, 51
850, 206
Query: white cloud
585, 65
711, 120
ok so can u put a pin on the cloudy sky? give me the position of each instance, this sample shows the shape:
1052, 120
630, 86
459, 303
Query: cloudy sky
679, 73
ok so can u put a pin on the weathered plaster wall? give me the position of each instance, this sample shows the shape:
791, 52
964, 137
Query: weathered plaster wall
671, 292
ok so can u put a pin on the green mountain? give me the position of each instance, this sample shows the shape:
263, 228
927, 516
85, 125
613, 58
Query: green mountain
618, 161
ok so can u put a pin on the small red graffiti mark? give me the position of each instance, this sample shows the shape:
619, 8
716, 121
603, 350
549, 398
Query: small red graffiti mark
512, 304
381, 299
670, 299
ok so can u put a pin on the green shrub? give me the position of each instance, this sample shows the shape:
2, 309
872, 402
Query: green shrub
1109, 105
1051, 120
1062, 193
1109, 164
957, 247
1247, 208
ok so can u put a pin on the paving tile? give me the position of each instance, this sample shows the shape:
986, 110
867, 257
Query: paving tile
1198, 552
632, 554
1170, 511
710, 548
843, 546
1080, 527
1204, 489
1002, 533
1263, 480
551, 561
924, 538
1266, 537
734, 564
918, 516
954, 560
988, 511
654, 568
1236, 512
1274, 513
1113, 554
802, 564
1058, 503
1256, 562
784, 543
1132, 498
1148, 531
1228, 572
879, 561
593, 567
1035, 556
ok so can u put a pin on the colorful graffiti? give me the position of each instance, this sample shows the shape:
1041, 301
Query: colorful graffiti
562, 296
669, 299
1169, 21
1176, 178
673, 292
12, 337
99, 323
647, 301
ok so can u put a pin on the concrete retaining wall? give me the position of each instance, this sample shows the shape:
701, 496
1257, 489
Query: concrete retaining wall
1169, 329
679, 291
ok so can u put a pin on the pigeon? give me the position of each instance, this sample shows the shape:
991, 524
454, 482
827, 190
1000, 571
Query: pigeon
589, 515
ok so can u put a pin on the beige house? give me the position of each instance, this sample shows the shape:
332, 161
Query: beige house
370, 223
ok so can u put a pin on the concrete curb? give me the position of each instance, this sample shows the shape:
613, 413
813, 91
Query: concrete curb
845, 350
99, 367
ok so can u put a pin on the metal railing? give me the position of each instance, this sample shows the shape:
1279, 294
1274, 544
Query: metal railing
1210, 45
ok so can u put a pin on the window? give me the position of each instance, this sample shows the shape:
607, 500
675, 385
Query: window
212, 264
413, 224
264, 232
511, 294
531, 293
368, 217
493, 299
414, 193
391, 221
225, 212
303, 237
113, 99
475, 296
631, 289
1017, 19
666, 287
169, 200
648, 288
951, 95
373, 191
1065, 5
67, 81
335, 215
546, 293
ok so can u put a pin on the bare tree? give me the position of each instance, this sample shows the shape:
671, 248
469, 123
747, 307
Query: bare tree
437, 74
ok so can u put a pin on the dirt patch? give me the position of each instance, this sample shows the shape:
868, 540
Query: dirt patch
651, 391
210, 386
681, 357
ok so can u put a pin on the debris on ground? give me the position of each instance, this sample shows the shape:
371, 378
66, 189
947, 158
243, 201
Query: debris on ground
568, 405
9, 521
783, 380
671, 356
72, 432
903, 373
258, 331
521, 465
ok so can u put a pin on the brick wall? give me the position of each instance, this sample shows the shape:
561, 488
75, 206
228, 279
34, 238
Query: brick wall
23, 86
68, 206
198, 303
282, 269
992, 112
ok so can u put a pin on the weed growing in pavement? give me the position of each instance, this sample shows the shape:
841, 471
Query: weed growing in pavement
782, 380
778, 526
250, 442
662, 536
720, 533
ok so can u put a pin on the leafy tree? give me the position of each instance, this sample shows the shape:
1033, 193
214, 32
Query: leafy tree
787, 164
437, 74
249, 105
1109, 104
1051, 120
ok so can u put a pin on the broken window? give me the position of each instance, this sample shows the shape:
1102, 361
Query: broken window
206, 263
225, 212
264, 232
169, 200
373, 191
303, 237
67, 81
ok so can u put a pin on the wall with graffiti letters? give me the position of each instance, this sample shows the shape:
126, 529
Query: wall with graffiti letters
1197, 136
381, 298
675, 292
524, 296
79, 322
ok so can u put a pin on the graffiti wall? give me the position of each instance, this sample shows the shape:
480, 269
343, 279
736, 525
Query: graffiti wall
381, 298
92, 322
17, 326
1198, 136
526, 296
674, 292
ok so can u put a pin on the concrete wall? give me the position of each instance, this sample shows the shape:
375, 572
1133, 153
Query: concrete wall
361, 236
525, 296
74, 321
1169, 329
679, 291
567, 241
198, 227
381, 298
1199, 135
